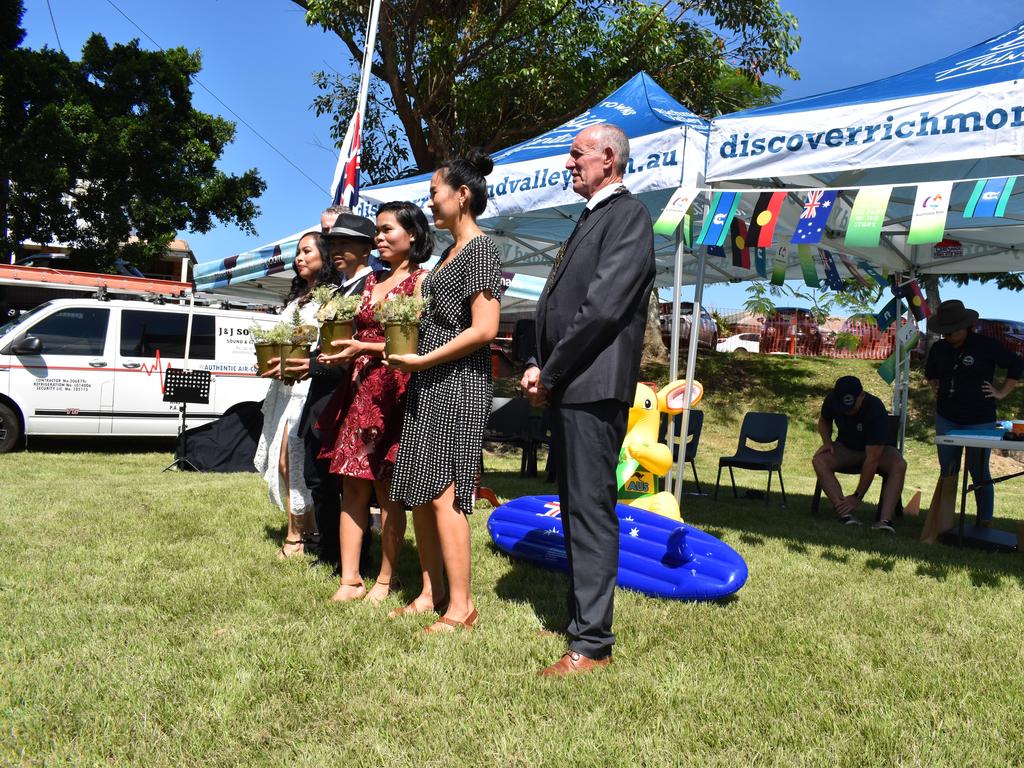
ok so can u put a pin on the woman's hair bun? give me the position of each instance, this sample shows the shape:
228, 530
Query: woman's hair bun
480, 160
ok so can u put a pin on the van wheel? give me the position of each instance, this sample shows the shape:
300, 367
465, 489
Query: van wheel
10, 429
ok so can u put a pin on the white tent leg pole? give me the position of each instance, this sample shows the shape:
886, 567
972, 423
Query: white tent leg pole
691, 366
675, 474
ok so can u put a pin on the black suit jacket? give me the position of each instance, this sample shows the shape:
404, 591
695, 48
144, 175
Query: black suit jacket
592, 313
324, 379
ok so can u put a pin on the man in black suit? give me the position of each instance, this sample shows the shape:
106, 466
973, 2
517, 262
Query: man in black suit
349, 242
590, 330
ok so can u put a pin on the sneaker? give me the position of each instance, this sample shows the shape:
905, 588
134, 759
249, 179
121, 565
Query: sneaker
849, 520
883, 525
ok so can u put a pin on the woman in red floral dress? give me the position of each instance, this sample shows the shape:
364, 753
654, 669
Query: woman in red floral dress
367, 415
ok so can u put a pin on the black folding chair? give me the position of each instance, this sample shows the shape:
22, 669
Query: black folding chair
763, 429
692, 439
513, 422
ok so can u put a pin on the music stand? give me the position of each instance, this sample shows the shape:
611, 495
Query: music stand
184, 386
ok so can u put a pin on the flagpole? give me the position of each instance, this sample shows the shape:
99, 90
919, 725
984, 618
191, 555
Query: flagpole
364, 76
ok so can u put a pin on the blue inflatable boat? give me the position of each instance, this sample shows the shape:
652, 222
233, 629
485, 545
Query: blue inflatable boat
658, 556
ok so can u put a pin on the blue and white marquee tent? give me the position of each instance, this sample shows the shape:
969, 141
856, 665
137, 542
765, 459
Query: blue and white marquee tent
958, 119
531, 207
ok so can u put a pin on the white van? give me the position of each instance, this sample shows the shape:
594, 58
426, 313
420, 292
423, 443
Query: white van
96, 367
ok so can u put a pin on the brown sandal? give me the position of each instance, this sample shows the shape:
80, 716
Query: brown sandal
444, 624
411, 610
283, 555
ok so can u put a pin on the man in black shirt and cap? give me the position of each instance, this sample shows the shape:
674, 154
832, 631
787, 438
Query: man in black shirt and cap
862, 443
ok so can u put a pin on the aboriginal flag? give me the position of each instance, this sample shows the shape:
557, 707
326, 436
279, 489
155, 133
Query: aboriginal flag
911, 291
764, 218
738, 240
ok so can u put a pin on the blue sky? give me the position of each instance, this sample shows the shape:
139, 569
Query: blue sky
258, 58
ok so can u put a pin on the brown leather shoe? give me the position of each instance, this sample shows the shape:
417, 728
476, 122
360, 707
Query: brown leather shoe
573, 663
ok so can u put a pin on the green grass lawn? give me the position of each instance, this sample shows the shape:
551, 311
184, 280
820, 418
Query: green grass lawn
144, 620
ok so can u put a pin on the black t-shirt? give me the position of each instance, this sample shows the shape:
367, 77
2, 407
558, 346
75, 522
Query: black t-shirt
962, 371
868, 426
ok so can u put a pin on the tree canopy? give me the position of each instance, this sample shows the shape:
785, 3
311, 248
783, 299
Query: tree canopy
490, 73
107, 154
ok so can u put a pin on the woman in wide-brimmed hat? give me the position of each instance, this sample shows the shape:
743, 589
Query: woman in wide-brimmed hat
960, 370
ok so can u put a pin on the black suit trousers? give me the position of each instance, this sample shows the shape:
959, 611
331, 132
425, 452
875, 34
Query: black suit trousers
589, 437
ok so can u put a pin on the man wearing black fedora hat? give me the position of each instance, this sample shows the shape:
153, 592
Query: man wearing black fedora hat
960, 370
349, 243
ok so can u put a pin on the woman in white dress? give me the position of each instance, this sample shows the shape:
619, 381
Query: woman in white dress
280, 453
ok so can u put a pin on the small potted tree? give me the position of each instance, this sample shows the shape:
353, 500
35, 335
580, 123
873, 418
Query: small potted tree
335, 315
400, 316
298, 343
266, 345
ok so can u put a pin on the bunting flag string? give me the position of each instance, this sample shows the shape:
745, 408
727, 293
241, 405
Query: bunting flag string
817, 208
873, 274
811, 278
779, 264
740, 251
761, 261
718, 218
930, 207
676, 211
887, 370
888, 315
852, 269
989, 198
835, 282
764, 218
911, 291
867, 217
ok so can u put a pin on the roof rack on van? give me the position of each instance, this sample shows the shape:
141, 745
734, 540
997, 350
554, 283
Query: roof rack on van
64, 279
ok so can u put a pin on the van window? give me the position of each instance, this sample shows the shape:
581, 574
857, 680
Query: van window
73, 331
144, 332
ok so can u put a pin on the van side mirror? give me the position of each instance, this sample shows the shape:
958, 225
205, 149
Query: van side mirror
30, 345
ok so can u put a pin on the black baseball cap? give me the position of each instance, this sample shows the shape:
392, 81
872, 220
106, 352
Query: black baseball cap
353, 227
846, 391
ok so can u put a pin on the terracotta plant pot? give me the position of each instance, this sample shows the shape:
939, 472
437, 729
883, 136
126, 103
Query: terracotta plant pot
334, 330
264, 352
293, 351
401, 339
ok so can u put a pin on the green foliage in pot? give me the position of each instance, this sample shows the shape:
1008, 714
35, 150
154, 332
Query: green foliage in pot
259, 334
334, 306
399, 310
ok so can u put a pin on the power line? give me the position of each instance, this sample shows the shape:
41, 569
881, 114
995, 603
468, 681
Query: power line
54, 23
238, 117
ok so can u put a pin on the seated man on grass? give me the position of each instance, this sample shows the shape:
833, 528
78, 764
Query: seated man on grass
862, 423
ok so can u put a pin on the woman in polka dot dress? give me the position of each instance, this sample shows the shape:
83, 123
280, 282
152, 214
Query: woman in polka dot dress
449, 394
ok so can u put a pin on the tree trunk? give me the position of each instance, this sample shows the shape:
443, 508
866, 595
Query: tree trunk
655, 350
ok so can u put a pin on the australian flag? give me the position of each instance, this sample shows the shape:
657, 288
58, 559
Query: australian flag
817, 208
345, 186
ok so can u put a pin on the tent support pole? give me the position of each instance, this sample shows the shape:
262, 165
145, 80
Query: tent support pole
691, 366
675, 474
